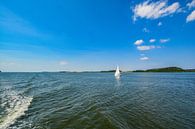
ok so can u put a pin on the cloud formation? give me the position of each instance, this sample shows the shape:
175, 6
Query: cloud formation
164, 40
63, 63
139, 42
154, 10
160, 24
146, 30
191, 4
145, 48
152, 40
144, 58
191, 17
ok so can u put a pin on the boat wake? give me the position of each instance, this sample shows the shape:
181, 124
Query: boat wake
14, 106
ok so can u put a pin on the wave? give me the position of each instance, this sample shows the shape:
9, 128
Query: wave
14, 105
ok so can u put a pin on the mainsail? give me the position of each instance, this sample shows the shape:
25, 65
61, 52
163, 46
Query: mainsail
117, 73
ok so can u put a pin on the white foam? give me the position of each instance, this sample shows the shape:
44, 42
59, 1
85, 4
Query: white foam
15, 106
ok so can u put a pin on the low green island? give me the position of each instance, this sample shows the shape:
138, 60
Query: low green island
165, 69
109, 71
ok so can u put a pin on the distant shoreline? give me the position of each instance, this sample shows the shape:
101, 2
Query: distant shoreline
164, 69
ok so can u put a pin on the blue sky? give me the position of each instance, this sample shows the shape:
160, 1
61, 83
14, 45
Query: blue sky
96, 35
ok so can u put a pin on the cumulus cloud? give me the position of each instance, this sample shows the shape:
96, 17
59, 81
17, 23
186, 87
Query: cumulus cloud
152, 40
139, 42
154, 10
146, 30
160, 24
164, 40
191, 16
191, 4
144, 58
145, 48
63, 63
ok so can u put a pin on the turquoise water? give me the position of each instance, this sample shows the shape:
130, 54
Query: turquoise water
97, 101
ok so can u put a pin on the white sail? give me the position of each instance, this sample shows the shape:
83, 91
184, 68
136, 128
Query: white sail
117, 73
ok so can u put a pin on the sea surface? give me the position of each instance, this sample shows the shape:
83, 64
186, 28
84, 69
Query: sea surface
97, 101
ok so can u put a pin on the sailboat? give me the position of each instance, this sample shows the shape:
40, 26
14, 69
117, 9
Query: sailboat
117, 73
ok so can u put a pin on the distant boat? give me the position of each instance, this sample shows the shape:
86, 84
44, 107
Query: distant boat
117, 73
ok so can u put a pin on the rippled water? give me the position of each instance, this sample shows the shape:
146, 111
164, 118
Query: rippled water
97, 101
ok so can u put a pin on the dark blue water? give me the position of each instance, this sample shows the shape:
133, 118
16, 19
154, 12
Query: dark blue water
97, 101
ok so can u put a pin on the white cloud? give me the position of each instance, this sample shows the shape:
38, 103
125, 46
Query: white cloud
152, 40
144, 58
191, 16
164, 40
191, 5
63, 63
154, 10
8, 63
160, 24
146, 30
145, 48
139, 42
